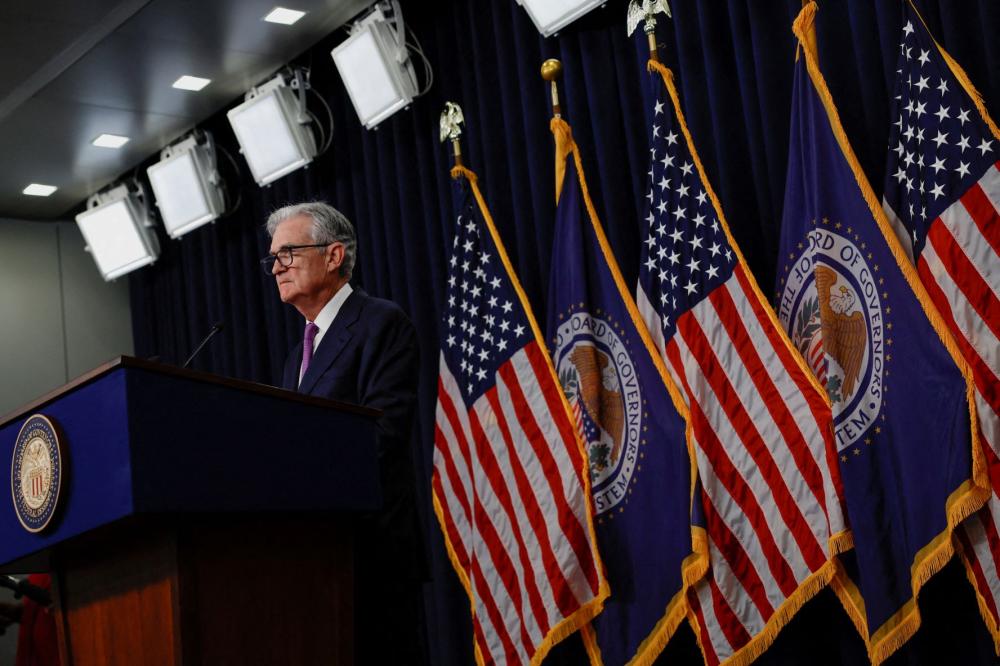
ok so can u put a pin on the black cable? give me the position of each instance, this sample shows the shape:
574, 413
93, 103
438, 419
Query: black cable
231, 207
328, 137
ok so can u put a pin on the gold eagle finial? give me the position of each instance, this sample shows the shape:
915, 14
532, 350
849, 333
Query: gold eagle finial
451, 122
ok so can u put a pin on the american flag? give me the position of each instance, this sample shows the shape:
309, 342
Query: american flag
509, 478
942, 193
761, 425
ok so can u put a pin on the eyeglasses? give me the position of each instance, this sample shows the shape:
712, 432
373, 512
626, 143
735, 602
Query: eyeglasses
284, 256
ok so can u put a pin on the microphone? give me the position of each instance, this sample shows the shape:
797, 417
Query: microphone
22, 588
215, 329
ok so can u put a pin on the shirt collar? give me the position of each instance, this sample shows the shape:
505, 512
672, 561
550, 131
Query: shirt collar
329, 312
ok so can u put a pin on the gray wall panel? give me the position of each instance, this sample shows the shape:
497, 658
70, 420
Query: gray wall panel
97, 317
58, 319
32, 358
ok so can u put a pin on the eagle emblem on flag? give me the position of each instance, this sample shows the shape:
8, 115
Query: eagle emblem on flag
592, 381
844, 330
832, 304
596, 369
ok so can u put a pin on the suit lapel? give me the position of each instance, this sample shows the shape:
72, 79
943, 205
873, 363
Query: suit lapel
333, 341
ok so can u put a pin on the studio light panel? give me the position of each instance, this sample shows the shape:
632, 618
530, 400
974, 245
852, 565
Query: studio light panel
375, 82
272, 140
185, 195
116, 236
550, 16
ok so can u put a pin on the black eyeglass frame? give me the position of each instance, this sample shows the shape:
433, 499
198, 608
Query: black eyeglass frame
267, 263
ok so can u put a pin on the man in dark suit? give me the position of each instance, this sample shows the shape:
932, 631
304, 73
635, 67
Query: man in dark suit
359, 349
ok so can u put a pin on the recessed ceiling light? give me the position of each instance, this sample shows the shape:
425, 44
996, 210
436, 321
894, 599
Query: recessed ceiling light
191, 83
39, 190
110, 141
284, 16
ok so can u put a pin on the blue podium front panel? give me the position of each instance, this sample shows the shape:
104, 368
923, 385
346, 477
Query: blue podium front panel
96, 487
143, 439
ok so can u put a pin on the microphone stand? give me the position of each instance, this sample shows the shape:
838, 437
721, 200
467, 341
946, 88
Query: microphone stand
215, 329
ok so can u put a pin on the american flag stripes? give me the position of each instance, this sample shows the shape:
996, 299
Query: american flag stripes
942, 192
760, 422
510, 485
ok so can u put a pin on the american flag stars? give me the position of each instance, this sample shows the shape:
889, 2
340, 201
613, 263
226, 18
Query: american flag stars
685, 252
934, 148
485, 325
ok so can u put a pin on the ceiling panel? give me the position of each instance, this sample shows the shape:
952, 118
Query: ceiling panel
36, 47
154, 64
71, 70
16, 12
236, 25
34, 41
45, 141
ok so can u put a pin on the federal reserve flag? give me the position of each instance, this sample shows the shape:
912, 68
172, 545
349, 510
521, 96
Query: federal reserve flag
760, 424
942, 191
510, 485
900, 391
640, 469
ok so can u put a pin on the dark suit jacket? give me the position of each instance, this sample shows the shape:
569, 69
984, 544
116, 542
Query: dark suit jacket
370, 357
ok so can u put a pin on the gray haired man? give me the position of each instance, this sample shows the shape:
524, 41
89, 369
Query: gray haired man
359, 349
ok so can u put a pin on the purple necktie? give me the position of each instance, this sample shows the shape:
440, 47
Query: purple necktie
307, 348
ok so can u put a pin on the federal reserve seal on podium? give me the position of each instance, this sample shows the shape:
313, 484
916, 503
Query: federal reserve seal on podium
36, 473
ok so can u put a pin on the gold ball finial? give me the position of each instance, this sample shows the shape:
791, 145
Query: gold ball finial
551, 69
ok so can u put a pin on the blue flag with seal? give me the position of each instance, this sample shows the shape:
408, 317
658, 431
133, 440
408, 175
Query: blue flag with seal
900, 391
633, 424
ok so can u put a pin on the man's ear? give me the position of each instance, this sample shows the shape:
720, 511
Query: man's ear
334, 257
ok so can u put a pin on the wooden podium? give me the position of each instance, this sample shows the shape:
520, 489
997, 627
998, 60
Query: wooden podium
201, 521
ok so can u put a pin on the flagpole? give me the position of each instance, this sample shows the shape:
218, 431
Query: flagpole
551, 71
650, 29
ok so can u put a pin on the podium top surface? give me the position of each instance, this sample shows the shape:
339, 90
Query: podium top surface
142, 439
195, 375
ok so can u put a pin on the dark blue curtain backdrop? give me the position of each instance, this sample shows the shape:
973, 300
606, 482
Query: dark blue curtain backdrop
733, 61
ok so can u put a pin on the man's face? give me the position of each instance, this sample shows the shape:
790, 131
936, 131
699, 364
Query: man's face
313, 271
